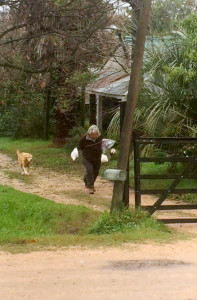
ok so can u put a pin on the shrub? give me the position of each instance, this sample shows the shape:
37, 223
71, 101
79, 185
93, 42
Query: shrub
124, 221
22, 113
74, 136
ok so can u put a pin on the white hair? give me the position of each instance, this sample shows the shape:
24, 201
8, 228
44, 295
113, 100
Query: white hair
93, 128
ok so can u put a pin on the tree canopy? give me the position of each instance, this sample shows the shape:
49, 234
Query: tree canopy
171, 76
44, 44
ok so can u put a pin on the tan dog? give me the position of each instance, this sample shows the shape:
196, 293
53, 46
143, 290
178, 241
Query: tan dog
24, 160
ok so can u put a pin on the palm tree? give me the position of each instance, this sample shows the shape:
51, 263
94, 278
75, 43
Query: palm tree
168, 100
170, 84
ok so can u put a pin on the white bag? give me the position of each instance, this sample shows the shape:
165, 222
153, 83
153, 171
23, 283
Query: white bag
107, 144
104, 158
74, 154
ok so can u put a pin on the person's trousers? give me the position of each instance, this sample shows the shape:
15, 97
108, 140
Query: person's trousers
92, 171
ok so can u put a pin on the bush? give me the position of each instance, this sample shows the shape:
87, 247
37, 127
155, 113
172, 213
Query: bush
74, 136
22, 114
124, 221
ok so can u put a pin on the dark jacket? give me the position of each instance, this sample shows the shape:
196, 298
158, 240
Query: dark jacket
91, 150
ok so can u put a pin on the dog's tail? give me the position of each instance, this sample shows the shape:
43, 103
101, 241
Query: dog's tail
17, 152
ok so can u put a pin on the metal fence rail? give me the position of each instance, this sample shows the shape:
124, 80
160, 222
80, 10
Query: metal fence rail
190, 172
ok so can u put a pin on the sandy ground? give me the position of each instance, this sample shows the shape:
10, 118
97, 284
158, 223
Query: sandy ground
133, 271
140, 272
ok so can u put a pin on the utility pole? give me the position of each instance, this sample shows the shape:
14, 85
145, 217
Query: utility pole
133, 90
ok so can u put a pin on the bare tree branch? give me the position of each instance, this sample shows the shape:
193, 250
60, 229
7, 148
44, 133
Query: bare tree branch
10, 41
12, 29
23, 69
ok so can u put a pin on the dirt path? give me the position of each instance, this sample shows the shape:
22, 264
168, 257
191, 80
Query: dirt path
54, 186
133, 271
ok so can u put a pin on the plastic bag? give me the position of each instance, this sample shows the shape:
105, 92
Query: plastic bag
104, 158
74, 154
107, 144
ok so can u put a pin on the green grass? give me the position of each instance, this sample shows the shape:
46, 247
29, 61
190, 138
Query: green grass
29, 222
45, 154
26, 215
158, 169
16, 175
190, 198
125, 221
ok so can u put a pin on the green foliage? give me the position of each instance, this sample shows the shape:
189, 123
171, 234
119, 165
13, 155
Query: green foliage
82, 78
22, 113
123, 221
159, 154
166, 14
74, 135
189, 24
113, 130
170, 87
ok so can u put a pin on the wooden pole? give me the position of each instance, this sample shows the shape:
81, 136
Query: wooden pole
125, 198
126, 134
99, 121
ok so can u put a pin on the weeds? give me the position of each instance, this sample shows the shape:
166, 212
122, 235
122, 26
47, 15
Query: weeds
125, 221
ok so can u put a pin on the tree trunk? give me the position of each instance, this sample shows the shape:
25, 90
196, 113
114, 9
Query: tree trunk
133, 90
83, 106
47, 107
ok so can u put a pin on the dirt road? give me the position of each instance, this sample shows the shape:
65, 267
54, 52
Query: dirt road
140, 272
133, 271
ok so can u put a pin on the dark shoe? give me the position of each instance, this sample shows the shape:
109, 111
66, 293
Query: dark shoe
91, 190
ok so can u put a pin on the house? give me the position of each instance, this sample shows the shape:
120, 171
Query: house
109, 90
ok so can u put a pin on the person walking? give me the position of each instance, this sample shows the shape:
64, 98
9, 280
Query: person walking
90, 145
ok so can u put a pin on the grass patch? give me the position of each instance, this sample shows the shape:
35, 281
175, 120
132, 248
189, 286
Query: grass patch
44, 154
30, 222
25, 215
158, 169
15, 175
190, 198
125, 221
